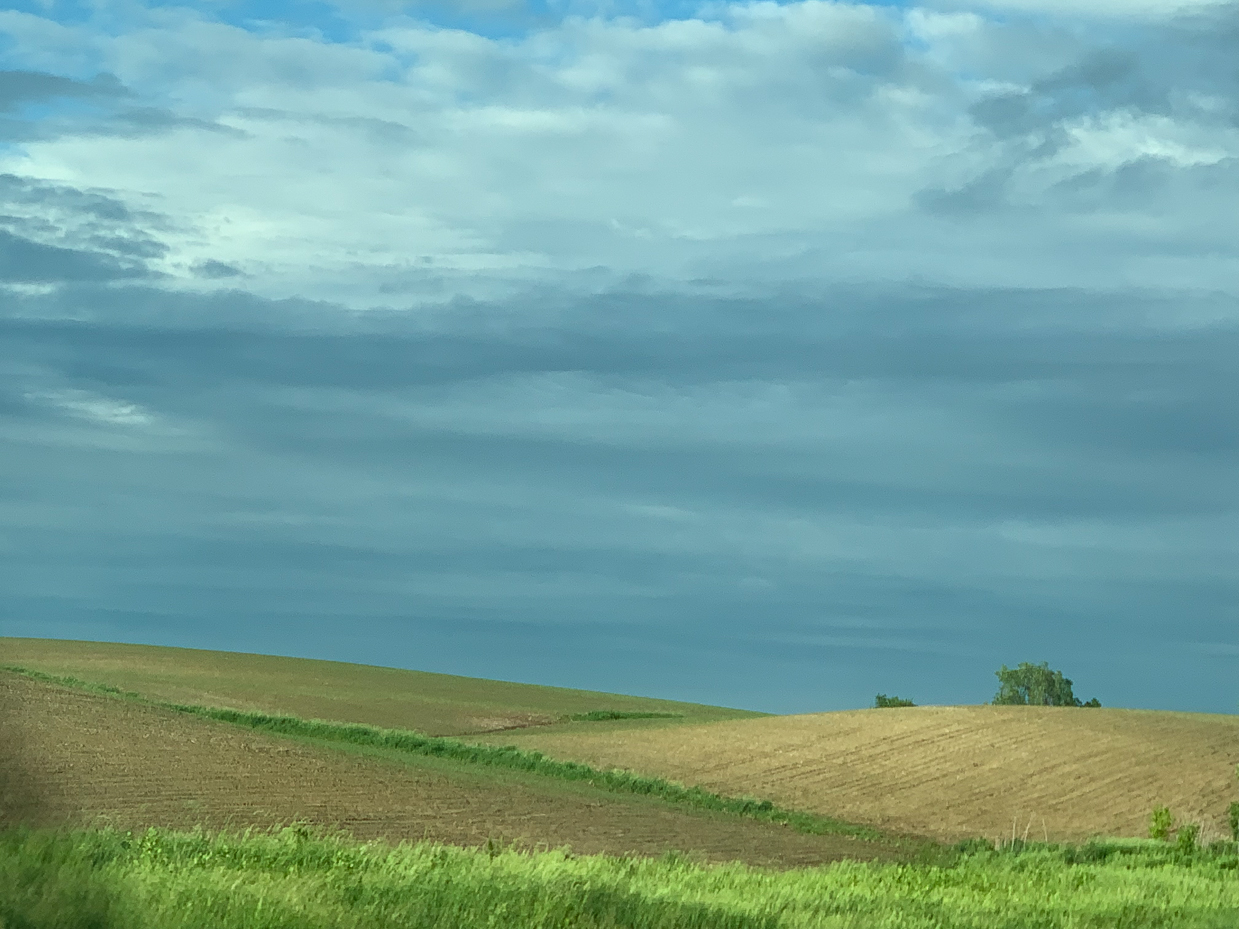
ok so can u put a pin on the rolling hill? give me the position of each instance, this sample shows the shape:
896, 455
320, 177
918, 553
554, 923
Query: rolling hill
71, 758
948, 772
434, 704
945, 773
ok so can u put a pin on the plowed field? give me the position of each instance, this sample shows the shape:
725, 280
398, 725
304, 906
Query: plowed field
948, 772
69, 757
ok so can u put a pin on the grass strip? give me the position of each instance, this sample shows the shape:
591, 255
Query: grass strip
74, 682
508, 757
598, 716
533, 762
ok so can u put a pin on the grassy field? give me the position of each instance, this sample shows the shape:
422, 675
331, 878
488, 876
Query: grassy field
435, 704
949, 772
293, 880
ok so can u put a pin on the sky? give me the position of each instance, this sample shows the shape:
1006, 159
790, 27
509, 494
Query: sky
772, 355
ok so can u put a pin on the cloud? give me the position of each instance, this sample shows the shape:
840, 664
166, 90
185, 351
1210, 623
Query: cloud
24, 261
53, 234
874, 142
1102, 9
891, 331
923, 471
23, 87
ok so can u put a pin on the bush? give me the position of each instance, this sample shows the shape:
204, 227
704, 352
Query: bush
882, 701
1035, 685
1234, 821
1160, 822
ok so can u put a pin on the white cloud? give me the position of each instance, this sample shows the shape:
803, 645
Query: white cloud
1116, 9
94, 408
761, 139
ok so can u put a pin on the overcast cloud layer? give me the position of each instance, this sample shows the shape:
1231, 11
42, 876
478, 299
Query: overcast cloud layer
763, 354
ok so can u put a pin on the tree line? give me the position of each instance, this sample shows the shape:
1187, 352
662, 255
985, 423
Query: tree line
1024, 685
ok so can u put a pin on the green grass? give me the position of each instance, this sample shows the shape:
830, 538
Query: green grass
597, 716
436, 704
296, 880
401, 741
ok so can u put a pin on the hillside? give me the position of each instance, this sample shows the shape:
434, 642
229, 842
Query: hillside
943, 772
69, 757
435, 704
948, 772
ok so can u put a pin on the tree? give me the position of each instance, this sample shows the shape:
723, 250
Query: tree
1035, 685
883, 701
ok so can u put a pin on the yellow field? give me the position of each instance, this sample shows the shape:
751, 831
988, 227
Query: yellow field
435, 704
947, 772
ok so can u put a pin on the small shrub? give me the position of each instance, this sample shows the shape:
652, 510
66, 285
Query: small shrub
1186, 840
1233, 818
1160, 822
882, 701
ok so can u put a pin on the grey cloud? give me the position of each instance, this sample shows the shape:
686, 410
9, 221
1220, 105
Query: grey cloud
24, 261
139, 122
216, 270
1180, 71
53, 233
27, 191
501, 472
113, 115
18, 87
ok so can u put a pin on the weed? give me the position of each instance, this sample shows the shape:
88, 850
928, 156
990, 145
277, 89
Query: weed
1160, 823
1186, 840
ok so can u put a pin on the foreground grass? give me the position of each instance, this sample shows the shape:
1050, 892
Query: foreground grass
403, 741
165, 880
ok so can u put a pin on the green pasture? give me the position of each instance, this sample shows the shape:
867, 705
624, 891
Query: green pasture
433, 704
296, 880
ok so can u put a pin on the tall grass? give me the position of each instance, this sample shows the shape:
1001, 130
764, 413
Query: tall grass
295, 880
516, 759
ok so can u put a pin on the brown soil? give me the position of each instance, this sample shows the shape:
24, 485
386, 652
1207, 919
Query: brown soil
948, 772
71, 757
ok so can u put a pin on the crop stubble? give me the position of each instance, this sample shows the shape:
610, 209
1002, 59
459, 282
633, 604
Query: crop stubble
947, 772
98, 758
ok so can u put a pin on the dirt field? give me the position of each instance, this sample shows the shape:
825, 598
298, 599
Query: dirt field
948, 772
72, 757
436, 704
